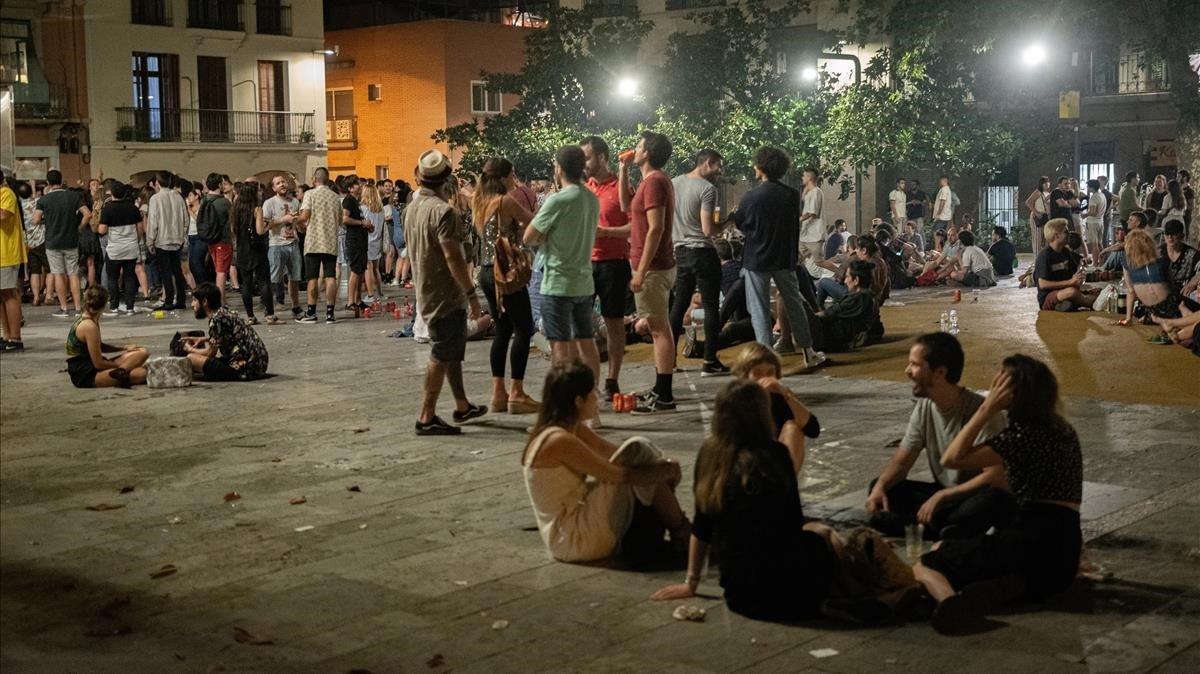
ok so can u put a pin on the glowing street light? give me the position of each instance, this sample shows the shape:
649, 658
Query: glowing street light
627, 87
1033, 55
809, 74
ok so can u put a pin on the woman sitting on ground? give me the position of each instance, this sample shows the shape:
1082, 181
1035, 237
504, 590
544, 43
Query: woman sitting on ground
1038, 554
774, 566
793, 421
1148, 278
86, 363
627, 504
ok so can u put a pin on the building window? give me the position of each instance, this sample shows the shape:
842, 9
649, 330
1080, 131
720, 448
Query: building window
998, 205
272, 17
341, 132
155, 97
381, 172
374, 92
151, 12
484, 101
16, 50
614, 7
272, 98
215, 14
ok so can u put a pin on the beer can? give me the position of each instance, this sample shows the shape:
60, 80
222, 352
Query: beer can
957, 296
630, 403
618, 402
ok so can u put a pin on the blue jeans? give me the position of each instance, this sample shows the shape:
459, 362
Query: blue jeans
829, 287
565, 319
758, 301
197, 248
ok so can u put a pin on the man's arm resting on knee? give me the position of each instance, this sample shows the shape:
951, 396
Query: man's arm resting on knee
897, 469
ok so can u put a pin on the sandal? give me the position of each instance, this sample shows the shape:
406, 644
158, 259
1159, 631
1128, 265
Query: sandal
252, 321
272, 320
1160, 338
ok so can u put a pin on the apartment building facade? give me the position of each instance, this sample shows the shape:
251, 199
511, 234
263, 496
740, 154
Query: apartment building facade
199, 86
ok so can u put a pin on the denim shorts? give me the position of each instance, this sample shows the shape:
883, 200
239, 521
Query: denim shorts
286, 260
567, 318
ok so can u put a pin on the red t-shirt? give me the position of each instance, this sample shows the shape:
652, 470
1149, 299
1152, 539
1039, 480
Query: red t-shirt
611, 215
656, 191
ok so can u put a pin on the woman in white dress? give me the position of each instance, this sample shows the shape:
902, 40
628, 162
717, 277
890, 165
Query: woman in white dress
591, 498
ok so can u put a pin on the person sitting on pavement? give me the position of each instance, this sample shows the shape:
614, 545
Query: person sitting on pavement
1059, 276
793, 421
232, 350
974, 268
774, 565
847, 323
86, 363
630, 496
1147, 276
957, 503
1002, 252
1038, 554
1183, 261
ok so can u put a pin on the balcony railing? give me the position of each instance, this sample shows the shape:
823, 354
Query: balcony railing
159, 125
40, 101
216, 14
272, 18
1129, 74
151, 12
692, 4
341, 133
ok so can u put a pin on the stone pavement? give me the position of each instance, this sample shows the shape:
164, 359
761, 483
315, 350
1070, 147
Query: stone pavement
407, 552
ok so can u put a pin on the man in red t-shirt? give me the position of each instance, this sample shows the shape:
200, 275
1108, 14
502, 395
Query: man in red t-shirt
610, 255
652, 255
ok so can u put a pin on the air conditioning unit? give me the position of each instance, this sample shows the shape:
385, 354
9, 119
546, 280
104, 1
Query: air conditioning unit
374, 92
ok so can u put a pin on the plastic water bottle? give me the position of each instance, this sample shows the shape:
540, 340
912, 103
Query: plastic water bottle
954, 322
944, 322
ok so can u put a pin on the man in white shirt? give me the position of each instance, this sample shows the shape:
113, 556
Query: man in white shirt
812, 227
1093, 227
167, 221
287, 260
974, 266
898, 200
943, 206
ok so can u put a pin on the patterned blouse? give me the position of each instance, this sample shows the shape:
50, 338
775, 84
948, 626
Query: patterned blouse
492, 231
1041, 463
237, 343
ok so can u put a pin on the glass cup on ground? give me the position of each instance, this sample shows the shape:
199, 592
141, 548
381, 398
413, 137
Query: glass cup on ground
914, 541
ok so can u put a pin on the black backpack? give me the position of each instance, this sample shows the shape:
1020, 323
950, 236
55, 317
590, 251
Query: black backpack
208, 224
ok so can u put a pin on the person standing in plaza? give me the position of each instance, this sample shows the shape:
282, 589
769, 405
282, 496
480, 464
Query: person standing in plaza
917, 205
610, 256
1038, 204
1128, 201
250, 228
38, 265
651, 254
12, 256
697, 264
320, 214
1110, 204
64, 214
898, 205
565, 230
283, 250
374, 213
167, 221
358, 228
943, 207
1093, 225
121, 222
212, 223
812, 226
446, 294
767, 216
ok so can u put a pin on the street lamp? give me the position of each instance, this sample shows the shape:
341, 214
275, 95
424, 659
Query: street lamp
809, 74
627, 87
1033, 55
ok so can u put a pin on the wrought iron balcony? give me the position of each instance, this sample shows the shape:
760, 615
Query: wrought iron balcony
1132, 73
216, 14
189, 125
40, 101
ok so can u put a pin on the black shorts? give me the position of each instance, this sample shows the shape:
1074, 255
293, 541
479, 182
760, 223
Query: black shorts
448, 337
1042, 547
612, 278
217, 369
320, 265
38, 262
81, 371
356, 256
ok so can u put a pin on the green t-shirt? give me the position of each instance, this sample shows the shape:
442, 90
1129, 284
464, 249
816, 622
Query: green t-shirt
568, 220
60, 215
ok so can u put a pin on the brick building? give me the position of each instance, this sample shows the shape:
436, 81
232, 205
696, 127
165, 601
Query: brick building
391, 86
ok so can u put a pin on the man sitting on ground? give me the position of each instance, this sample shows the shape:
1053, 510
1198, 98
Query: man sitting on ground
974, 266
1059, 276
958, 503
845, 324
1002, 252
232, 351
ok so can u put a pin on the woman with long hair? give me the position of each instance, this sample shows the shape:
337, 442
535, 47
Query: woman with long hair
630, 498
1174, 205
499, 216
400, 196
1148, 278
1038, 204
250, 231
793, 421
1038, 554
372, 210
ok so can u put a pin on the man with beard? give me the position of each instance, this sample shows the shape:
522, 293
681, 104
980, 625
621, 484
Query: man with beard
232, 350
958, 503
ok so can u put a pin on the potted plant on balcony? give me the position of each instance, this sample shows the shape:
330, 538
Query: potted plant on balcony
307, 137
125, 133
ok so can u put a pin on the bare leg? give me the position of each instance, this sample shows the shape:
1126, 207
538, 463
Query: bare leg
935, 583
664, 345
133, 359
455, 377
312, 291
500, 393
561, 352
11, 316
60, 289
75, 296
590, 355
221, 276
668, 510
435, 373
331, 290
233, 279
139, 270
615, 327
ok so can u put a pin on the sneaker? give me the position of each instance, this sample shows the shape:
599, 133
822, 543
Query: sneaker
783, 348
1064, 305
329, 317
367, 301
129, 311
436, 426
714, 369
472, 412
111, 313
815, 359
297, 312
689, 342
62, 313
306, 318
13, 345
650, 403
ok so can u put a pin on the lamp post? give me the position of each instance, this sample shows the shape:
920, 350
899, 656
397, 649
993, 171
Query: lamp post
830, 56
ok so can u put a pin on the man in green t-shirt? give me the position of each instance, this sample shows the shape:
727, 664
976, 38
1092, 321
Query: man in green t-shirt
63, 213
565, 228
